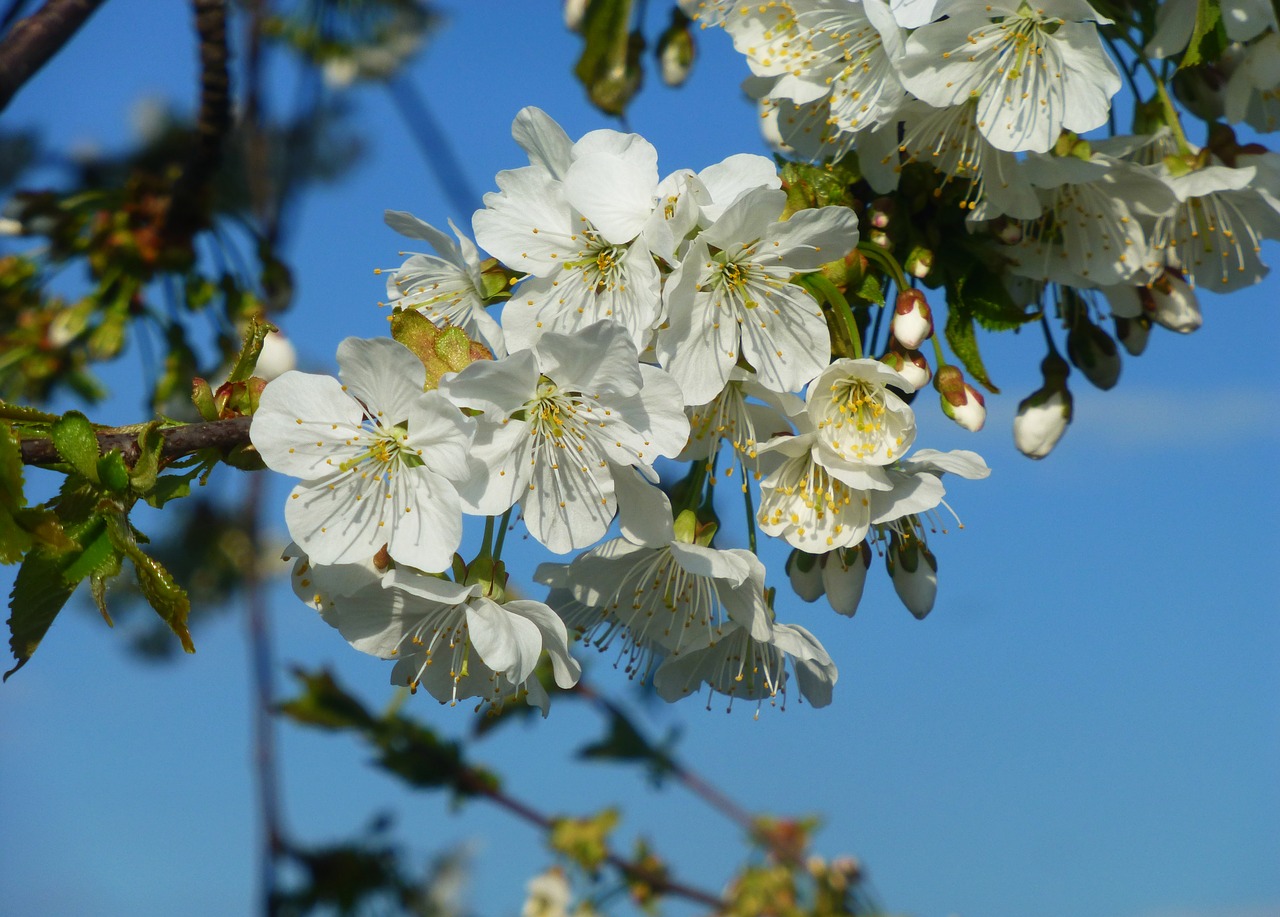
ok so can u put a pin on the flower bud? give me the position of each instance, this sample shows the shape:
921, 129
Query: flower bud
844, 576
1043, 416
960, 401
676, 50
912, 320
805, 572
1094, 353
574, 10
277, 356
914, 571
919, 263
1133, 333
910, 364
1171, 303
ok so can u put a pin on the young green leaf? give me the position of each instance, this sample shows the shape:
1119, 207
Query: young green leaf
76, 442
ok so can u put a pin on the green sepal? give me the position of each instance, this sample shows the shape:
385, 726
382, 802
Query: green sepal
441, 350
247, 361
76, 442
1208, 36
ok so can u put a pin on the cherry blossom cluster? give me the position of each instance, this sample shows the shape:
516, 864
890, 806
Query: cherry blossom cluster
644, 320
993, 97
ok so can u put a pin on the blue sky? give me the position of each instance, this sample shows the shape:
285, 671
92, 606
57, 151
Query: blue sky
1088, 723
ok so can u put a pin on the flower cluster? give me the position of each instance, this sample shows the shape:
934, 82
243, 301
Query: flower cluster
643, 318
989, 100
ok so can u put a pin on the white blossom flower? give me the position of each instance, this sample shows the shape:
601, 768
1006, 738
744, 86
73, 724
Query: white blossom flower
450, 638
744, 424
1214, 236
377, 457
1243, 20
949, 140
672, 598
857, 418
742, 667
574, 220
446, 287
739, 299
915, 485
561, 425
1090, 233
457, 642
813, 499
1034, 71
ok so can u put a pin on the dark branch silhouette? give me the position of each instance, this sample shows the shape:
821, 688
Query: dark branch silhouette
34, 40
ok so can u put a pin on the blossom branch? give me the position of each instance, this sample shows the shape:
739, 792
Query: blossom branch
178, 441
475, 783
37, 38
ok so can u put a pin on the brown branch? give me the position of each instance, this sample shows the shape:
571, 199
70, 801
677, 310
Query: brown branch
637, 872
212, 123
178, 441
34, 40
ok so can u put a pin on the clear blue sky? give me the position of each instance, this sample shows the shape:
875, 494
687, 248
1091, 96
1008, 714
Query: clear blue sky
1088, 723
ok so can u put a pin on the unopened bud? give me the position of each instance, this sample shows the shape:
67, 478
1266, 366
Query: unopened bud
1171, 303
676, 49
277, 356
805, 573
880, 212
912, 319
574, 10
914, 571
1044, 415
1094, 353
1133, 333
844, 576
919, 263
1008, 231
960, 401
910, 364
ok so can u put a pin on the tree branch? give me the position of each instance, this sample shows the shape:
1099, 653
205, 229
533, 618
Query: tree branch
178, 441
34, 40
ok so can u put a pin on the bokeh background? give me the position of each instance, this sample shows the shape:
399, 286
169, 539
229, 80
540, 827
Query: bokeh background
1088, 722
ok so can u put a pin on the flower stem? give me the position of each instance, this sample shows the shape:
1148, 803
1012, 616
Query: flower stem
750, 505
832, 294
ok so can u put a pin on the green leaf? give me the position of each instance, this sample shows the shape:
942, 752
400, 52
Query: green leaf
870, 290
76, 442
962, 337
25, 414
624, 742
169, 487
15, 539
325, 704
143, 476
987, 299
1208, 37
610, 67
38, 594
97, 556
169, 600
113, 473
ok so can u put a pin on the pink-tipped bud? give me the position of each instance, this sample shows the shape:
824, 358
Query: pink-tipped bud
960, 401
912, 320
910, 364
880, 212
